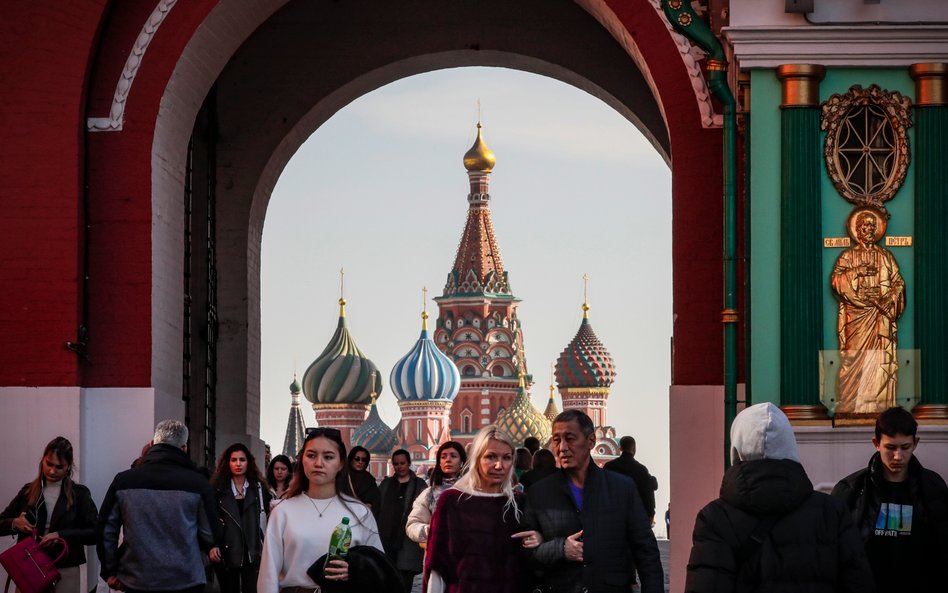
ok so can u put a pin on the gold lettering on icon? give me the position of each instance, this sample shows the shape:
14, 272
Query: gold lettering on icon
836, 242
898, 241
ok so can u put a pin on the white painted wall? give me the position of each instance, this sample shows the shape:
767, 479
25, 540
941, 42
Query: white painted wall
830, 454
107, 428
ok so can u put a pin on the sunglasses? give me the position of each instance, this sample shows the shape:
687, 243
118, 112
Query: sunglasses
360, 459
332, 433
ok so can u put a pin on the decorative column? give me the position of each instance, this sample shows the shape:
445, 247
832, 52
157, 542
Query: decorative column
931, 240
801, 281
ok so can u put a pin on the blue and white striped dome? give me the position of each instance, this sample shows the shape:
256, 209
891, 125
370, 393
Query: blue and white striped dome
425, 373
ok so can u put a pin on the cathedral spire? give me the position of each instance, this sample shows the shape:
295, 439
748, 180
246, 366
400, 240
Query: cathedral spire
478, 267
295, 427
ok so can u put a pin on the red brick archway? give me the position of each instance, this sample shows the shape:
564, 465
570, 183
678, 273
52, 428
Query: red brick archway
92, 225
135, 175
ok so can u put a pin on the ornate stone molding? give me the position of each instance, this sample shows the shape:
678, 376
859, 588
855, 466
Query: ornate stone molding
116, 117
877, 142
887, 45
690, 56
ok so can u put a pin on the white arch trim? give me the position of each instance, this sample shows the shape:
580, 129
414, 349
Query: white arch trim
116, 118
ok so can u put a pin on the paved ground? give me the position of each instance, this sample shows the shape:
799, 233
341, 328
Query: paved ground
663, 547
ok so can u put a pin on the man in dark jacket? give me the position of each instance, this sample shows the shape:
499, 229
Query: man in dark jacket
398, 493
900, 509
168, 513
593, 524
769, 530
628, 465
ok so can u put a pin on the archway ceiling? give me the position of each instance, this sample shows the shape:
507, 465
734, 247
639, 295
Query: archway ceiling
310, 59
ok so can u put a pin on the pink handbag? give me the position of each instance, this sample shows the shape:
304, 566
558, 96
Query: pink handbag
29, 566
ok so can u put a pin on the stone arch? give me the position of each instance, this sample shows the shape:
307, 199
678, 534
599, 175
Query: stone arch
621, 51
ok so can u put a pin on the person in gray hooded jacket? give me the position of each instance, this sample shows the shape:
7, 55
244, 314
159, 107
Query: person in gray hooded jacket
769, 530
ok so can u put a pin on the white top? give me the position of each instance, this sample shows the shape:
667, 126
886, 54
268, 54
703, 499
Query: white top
51, 491
297, 536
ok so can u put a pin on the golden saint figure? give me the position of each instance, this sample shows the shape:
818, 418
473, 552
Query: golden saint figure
871, 294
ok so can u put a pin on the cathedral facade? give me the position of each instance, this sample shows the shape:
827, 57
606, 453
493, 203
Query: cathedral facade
471, 371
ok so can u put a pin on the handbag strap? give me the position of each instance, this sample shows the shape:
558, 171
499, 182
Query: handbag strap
50, 542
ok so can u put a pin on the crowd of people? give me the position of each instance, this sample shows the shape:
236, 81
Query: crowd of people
491, 517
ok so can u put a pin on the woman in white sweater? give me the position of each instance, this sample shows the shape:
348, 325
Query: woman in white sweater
300, 526
451, 458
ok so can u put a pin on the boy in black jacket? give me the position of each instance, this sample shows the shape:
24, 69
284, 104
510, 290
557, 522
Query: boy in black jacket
900, 509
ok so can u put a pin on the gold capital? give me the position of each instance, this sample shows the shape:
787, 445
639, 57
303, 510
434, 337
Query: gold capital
801, 84
930, 84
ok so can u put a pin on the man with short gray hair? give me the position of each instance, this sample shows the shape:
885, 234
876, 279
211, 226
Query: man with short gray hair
171, 432
168, 513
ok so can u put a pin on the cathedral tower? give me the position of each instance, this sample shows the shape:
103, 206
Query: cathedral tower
477, 324
584, 374
425, 381
295, 426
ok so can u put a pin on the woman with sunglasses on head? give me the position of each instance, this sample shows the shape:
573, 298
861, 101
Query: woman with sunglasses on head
474, 541
301, 524
55, 506
450, 459
243, 503
279, 475
361, 483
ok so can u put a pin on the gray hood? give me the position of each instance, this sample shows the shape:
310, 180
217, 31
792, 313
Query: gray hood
762, 431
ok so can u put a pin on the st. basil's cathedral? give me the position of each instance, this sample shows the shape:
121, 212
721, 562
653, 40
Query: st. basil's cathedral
469, 372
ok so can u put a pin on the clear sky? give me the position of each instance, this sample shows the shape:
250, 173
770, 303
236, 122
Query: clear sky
380, 190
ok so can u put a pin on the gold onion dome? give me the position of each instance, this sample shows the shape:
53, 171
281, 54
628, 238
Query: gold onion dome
551, 412
522, 420
479, 157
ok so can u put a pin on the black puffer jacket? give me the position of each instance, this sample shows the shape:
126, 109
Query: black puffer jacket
813, 548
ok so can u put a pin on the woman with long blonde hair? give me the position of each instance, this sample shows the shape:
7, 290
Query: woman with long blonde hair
473, 544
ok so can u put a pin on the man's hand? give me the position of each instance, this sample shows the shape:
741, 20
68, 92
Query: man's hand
573, 547
214, 555
115, 583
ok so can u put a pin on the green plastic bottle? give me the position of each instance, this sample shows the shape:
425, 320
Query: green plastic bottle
340, 541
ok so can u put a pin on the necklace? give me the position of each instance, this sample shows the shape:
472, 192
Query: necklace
325, 508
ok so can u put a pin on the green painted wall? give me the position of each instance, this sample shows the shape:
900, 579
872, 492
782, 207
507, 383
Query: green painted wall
764, 348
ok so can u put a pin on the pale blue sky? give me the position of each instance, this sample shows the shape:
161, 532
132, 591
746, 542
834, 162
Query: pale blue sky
380, 190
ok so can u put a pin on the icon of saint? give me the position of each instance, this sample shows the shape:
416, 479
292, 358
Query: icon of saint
871, 294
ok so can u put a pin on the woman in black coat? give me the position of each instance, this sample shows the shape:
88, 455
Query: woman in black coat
807, 540
244, 502
55, 506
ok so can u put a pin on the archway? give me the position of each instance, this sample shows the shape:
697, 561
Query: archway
273, 72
